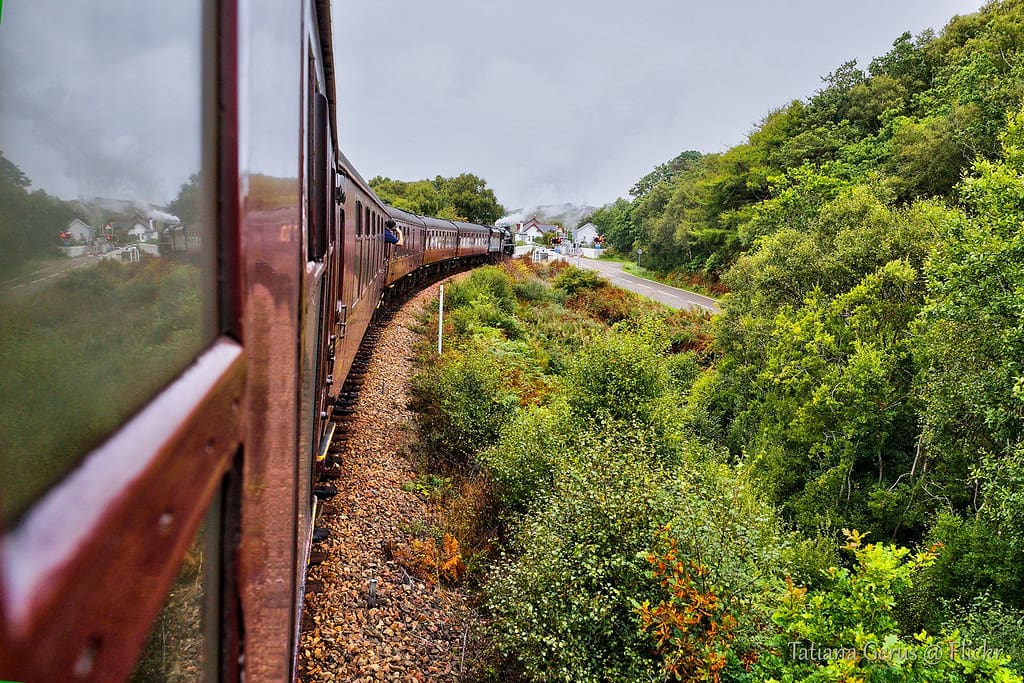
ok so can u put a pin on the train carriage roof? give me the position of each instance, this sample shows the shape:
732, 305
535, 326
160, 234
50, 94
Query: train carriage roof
401, 215
472, 227
438, 223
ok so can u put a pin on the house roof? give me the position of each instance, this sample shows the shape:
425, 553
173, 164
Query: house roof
543, 227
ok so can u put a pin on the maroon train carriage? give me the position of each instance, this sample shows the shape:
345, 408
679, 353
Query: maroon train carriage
407, 254
159, 455
441, 240
473, 240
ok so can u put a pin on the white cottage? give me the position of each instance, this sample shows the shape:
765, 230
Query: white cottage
143, 231
528, 234
81, 231
585, 235
533, 230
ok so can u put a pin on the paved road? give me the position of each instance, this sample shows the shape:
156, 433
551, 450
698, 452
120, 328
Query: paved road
670, 296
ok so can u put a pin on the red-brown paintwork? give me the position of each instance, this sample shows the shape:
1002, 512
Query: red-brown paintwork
86, 571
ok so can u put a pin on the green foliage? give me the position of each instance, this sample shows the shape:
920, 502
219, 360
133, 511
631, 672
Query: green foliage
523, 462
619, 378
866, 371
664, 172
561, 608
573, 279
419, 197
569, 605
533, 290
847, 630
462, 405
984, 619
470, 197
913, 122
29, 221
975, 561
465, 197
835, 399
720, 561
429, 486
615, 224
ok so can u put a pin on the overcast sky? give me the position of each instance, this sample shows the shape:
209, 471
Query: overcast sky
102, 98
550, 101
574, 100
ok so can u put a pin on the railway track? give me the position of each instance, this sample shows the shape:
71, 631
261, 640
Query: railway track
366, 617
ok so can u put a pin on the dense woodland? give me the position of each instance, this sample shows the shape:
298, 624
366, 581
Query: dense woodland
29, 221
835, 460
465, 197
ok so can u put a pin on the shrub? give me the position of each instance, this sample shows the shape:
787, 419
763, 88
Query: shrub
569, 606
462, 404
618, 377
533, 290
683, 369
489, 283
851, 626
561, 609
719, 563
574, 279
523, 461
986, 621
607, 304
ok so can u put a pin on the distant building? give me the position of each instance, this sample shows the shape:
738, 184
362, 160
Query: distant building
143, 230
533, 230
585, 235
81, 231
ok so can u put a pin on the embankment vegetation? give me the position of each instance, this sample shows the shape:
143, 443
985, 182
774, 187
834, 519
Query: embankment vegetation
612, 539
832, 464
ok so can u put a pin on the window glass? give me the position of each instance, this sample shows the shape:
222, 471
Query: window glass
174, 650
105, 269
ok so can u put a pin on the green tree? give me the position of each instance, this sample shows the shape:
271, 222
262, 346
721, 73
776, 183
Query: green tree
666, 171
615, 224
29, 221
419, 197
186, 205
470, 197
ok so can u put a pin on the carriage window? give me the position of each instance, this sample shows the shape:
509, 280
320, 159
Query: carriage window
318, 205
174, 650
106, 271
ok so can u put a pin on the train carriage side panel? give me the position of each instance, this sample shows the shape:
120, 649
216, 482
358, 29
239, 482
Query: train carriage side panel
472, 239
441, 240
406, 256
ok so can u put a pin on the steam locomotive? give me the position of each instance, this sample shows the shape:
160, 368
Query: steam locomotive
188, 515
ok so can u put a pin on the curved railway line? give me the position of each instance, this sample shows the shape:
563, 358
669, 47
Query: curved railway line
366, 617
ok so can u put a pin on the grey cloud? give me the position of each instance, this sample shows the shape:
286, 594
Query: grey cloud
574, 100
100, 98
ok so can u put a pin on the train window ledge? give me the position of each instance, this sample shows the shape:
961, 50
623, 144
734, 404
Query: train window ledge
95, 555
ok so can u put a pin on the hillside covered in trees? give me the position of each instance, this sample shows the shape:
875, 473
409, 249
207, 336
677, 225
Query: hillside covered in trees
869, 358
702, 501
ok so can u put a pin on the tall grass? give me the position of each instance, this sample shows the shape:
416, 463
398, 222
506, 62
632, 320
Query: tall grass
82, 355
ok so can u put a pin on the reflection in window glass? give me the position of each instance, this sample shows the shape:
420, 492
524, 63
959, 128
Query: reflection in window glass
173, 653
102, 223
